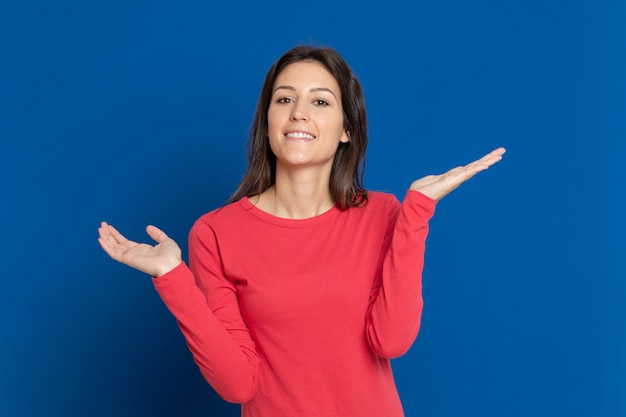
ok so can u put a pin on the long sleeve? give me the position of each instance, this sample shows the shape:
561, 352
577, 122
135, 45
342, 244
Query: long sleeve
298, 317
396, 306
205, 305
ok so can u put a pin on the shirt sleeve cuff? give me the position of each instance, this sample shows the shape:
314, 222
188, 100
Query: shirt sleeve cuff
171, 277
421, 200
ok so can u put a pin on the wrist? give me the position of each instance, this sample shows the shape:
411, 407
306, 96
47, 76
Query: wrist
167, 267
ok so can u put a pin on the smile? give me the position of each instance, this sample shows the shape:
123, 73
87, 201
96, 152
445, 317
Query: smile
300, 135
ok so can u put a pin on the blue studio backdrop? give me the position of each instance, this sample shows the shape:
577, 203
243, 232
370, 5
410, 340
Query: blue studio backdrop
137, 112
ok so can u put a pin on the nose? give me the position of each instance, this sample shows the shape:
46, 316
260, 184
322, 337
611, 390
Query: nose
298, 112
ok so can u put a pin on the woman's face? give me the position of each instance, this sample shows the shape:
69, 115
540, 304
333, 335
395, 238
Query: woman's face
305, 116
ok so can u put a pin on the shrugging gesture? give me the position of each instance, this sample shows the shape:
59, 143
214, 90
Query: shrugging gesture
154, 260
283, 293
438, 186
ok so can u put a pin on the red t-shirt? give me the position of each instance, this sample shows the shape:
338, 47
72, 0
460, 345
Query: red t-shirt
300, 317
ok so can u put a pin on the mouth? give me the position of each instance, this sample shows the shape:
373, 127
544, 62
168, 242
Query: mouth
299, 135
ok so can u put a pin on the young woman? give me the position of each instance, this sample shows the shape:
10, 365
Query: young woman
302, 288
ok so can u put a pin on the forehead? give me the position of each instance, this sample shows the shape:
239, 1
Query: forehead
306, 74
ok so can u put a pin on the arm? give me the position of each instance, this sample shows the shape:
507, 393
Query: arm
204, 302
220, 343
396, 302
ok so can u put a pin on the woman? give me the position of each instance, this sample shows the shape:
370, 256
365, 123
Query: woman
303, 287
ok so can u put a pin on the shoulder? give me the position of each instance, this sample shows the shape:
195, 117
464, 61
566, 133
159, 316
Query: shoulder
380, 206
224, 216
378, 200
381, 197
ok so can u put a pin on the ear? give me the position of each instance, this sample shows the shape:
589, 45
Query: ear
345, 137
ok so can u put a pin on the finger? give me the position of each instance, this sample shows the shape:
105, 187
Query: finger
108, 249
493, 156
105, 237
459, 175
156, 234
498, 151
113, 242
115, 235
105, 246
485, 162
101, 231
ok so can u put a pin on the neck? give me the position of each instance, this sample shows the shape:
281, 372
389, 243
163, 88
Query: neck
297, 195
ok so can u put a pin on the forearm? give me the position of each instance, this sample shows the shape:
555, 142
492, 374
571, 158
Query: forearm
229, 365
395, 315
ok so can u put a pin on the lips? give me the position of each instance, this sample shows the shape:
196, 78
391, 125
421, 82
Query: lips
300, 135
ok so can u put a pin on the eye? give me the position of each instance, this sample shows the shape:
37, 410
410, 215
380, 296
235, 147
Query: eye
284, 100
320, 103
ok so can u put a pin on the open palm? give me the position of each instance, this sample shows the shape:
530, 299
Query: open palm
154, 260
438, 186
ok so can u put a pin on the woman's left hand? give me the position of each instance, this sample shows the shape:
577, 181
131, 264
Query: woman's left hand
438, 186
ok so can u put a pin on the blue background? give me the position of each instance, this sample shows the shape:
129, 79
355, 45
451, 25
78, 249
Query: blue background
137, 112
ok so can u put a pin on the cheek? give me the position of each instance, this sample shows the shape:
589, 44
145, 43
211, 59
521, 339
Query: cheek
273, 120
336, 124
271, 140
273, 132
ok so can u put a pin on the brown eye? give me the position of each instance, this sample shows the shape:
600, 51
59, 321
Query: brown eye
320, 103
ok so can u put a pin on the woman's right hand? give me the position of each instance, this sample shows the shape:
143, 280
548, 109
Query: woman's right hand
153, 260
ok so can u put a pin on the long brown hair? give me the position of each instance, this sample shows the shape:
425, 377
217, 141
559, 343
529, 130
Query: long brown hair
346, 177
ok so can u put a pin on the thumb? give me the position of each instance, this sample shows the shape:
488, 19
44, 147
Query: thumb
156, 234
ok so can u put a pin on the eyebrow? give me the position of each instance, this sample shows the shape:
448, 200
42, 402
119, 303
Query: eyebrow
312, 90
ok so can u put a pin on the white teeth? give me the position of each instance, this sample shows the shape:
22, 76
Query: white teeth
299, 135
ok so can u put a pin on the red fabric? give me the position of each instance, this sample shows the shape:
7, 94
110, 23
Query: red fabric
300, 317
